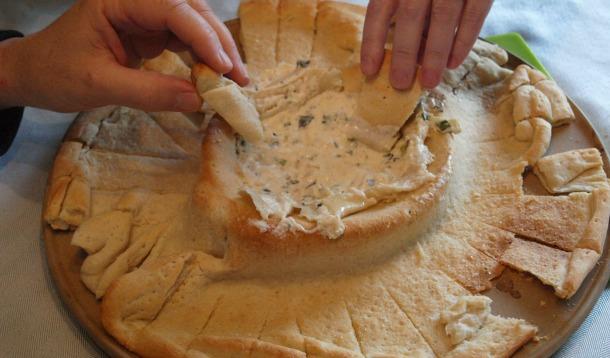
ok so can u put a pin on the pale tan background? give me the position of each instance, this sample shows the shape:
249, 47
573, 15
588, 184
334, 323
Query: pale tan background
572, 39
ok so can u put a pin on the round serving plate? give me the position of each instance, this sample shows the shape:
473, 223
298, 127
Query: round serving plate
514, 294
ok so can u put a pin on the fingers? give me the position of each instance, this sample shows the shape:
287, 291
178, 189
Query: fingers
444, 17
376, 25
149, 45
177, 16
473, 16
238, 73
146, 90
411, 17
192, 29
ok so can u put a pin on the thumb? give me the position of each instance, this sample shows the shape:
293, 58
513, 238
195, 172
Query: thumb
149, 91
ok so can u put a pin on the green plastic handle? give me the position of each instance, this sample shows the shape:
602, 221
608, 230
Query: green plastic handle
514, 43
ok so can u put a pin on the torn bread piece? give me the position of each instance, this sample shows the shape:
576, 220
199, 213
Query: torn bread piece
259, 20
578, 220
168, 63
563, 270
380, 104
229, 101
575, 170
296, 31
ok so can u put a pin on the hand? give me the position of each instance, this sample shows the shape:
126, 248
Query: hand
435, 33
85, 59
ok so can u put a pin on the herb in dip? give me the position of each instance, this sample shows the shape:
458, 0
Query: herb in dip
443, 125
305, 120
303, 63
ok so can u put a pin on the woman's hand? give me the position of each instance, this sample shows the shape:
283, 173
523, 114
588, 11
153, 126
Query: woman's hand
435, 33
85, 59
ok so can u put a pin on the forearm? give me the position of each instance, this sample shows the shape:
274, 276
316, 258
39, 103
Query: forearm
11, 88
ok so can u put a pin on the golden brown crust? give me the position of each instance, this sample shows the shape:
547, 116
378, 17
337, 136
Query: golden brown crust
554, 220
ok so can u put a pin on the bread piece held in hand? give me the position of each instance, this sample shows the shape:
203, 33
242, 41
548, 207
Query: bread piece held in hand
380, 104
227, 99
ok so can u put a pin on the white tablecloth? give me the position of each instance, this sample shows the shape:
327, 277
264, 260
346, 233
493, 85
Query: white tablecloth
571, 37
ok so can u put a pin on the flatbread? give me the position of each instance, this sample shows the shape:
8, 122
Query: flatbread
575, 170
471, 268
567, 222
563, 270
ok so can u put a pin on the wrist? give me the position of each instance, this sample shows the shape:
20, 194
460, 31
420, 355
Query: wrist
11, 88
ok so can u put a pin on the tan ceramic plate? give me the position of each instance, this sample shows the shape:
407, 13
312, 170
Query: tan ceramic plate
514, 294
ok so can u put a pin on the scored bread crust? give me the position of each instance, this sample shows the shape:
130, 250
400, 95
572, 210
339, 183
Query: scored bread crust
224, 213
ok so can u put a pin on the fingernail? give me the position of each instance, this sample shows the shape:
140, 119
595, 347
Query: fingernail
188, 102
